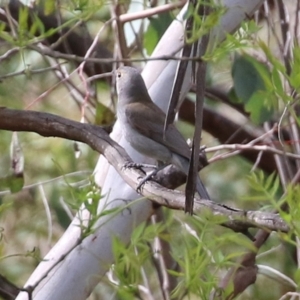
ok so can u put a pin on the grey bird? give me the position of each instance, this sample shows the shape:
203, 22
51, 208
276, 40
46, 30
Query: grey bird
142, 124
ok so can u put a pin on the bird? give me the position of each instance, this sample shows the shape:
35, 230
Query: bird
142, 123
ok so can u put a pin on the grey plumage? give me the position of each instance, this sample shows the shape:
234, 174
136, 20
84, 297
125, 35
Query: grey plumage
143, 125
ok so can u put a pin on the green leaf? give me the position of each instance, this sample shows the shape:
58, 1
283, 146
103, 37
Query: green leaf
276, 63
295, 73
246, 78
233, 97
297, 276
14, 183
23, 19
277, 83
49, 7
138, 233
233, 42
258, 109
253, 86
37, 26
202, 25
156, 29
266, 187
104, 115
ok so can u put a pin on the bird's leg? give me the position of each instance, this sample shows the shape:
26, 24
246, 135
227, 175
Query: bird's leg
159, 167
145, 179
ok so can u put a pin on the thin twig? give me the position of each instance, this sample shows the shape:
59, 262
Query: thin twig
242, 147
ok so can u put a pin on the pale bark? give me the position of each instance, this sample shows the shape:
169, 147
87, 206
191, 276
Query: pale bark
80, 269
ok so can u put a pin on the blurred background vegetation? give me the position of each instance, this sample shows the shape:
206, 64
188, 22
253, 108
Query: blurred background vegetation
56, 170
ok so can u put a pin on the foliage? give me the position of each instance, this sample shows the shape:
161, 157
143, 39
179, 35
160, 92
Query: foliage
260, 82
192, 241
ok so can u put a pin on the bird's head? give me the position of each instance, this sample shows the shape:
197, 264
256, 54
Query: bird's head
130, 86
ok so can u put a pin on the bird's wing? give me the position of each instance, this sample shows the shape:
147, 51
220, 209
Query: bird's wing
142, 121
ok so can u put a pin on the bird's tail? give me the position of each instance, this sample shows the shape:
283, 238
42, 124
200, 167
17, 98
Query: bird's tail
201, 189
183, 164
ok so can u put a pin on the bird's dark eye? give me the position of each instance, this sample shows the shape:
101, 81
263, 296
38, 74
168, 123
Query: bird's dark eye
119, 74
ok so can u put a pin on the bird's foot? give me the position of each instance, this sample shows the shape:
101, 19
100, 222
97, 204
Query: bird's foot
139, 166
145, 179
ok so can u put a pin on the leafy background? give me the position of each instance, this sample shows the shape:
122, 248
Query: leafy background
59, 171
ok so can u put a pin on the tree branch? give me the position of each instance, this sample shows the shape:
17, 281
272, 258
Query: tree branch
225, 131
96, 137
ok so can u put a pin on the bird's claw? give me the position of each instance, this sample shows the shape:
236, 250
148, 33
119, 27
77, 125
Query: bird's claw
131, 165
141, 168
142, 182
145, 179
